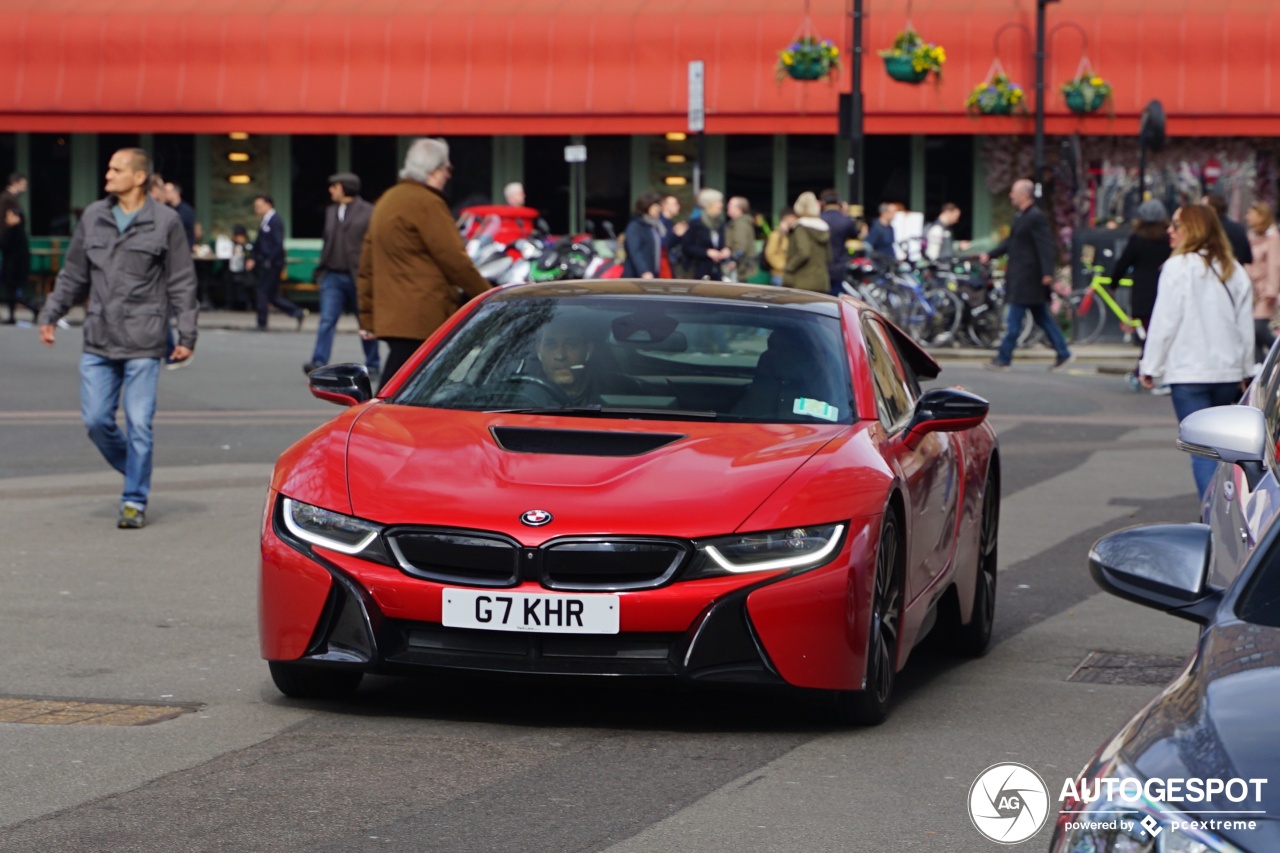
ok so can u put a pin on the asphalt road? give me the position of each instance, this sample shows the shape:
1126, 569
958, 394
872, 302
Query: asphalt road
167, 616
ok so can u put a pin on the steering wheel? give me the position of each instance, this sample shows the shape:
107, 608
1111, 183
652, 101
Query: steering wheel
555, 393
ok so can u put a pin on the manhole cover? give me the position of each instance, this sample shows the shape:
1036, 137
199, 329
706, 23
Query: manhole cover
1120, 668
45, 711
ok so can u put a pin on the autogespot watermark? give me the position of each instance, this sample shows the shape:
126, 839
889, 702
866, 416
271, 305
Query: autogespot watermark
1009, 803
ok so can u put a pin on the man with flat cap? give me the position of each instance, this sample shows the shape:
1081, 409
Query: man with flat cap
345, 222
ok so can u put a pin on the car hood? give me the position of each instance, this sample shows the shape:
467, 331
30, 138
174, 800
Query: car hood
476, 470
1218, 721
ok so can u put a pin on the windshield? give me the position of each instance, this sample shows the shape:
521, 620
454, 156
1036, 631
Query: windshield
606, 355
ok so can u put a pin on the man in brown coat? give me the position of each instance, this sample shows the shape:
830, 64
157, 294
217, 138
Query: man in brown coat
414, 270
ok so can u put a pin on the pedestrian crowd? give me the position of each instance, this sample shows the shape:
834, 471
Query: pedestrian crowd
1205, 288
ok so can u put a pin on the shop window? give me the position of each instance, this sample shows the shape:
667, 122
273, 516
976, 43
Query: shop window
472, 181
314, 159
888, 173
546, 179
749, 172
948, 173
609, 196
810, 164
375, 160
174, 157
50, 182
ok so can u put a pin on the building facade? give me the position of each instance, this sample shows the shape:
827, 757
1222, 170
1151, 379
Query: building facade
234, 102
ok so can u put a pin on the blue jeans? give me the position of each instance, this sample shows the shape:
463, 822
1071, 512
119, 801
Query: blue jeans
104, 384
1189, 398
1013, 327
338, 294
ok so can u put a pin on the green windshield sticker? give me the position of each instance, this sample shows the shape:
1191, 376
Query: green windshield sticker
815, 409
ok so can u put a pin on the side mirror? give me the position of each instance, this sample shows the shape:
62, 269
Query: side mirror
608, 229
542, 226
1158, 565
946, 410
347, 384
1235, 434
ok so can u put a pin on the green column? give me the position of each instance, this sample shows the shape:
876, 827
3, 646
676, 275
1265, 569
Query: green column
982, 220
508, 163
281, 183
640, 177
402, 148
917, 173
202, 151
840, 175
85, 183
780, 199
714, 175
344, 153
22, 163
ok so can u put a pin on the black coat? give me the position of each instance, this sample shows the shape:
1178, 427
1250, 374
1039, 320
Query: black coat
642, 242
1141, 261
344, 238
843, 229
1239, 239
268, 249
1030, 250
697, 240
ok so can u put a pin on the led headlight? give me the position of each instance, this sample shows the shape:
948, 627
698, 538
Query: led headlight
768, 551
331, 530
1139, 824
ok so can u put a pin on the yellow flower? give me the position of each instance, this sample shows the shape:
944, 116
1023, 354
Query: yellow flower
1096, 81
835, 51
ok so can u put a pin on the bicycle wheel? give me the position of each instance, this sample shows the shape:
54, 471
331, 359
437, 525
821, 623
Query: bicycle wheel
943, 319
1089, 317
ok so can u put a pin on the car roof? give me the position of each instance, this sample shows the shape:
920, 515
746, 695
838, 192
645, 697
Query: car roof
746, 294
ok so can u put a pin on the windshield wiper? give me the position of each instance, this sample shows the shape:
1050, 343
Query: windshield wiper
609, 412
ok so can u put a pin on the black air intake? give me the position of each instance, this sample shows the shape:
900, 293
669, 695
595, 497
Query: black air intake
579, 442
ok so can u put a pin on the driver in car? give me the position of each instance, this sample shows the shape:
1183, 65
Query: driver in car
564, 348
563, 351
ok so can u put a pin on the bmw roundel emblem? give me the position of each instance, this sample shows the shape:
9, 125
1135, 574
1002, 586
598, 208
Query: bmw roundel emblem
536, 517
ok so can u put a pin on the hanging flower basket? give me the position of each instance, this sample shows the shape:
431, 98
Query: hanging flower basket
1087, 92
809, 58
912, 59
996, 96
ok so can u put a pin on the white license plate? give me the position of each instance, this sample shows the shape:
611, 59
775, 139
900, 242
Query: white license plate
496, 610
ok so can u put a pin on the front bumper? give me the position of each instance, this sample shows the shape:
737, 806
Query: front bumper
808, 630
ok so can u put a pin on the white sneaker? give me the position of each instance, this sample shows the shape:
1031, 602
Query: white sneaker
1161, 391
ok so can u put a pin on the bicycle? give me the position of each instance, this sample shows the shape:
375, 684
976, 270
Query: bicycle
1082, 314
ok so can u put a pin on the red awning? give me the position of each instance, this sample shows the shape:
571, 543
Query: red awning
582, 66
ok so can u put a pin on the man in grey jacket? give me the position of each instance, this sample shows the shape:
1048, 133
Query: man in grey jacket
345, 222
132, 257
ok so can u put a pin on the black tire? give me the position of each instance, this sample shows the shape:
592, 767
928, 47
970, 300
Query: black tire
974, 639
870, 707
300, 681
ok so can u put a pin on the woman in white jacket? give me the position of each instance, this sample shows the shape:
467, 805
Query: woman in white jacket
1201, 338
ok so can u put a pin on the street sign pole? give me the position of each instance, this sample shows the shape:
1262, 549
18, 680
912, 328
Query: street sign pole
698, 118
855, 110
576, 157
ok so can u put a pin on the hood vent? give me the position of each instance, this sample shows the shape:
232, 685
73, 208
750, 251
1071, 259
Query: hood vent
579, 442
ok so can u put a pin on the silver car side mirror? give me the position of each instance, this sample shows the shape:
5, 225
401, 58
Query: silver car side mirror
1235, 434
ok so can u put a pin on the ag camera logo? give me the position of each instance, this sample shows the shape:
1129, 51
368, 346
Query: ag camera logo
1008, 803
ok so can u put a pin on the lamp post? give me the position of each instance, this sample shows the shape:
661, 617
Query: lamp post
855, 108
1039, 165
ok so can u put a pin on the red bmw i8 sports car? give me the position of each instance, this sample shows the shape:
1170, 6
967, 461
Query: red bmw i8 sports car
704, 481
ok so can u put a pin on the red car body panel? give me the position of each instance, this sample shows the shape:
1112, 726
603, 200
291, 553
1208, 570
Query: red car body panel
485, 487
292, 592
405, 465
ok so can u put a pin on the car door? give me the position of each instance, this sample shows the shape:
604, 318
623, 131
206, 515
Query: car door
929, 470
1236, 514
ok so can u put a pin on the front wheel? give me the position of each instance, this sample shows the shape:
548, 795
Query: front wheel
973, 639
870, 706
300, 681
